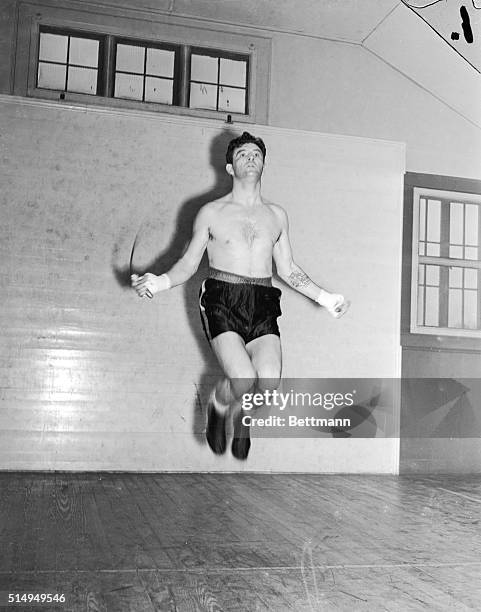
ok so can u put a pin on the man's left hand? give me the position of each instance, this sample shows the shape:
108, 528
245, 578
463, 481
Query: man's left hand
336, 305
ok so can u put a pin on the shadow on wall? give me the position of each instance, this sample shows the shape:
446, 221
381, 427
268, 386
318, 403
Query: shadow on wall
440, 408
165, 260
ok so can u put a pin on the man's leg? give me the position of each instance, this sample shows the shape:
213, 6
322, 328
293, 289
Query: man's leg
235, 361
266, 359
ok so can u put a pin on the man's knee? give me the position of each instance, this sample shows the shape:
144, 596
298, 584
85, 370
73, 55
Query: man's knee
242, 382
268, 378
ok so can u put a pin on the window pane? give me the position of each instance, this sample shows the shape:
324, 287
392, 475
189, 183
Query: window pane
233, 72
203, 68
420, 320
471, 253
456, 222
470, 309
84, 51
432, 275
470, 278
421, 274
455, 306
158, 90
456, 277
51, 76
53, 47
160, 62
422, 219
130, 58
455, 284
203, 95
434, 221
82, 80
471, 236
233, 100
455, 251
128, 86
432, 250
432, 306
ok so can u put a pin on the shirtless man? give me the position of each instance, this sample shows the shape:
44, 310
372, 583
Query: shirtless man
242, 233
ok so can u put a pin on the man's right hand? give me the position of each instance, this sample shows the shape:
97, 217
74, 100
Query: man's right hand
149, 284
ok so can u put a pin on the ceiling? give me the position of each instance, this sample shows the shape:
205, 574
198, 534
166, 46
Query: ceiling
346, 20
414, 42
457, 22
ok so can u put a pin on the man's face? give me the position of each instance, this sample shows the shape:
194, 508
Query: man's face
247, 160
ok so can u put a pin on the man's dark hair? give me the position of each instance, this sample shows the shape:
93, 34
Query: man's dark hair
241, 140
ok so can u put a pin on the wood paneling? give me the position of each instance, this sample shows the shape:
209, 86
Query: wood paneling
92, 377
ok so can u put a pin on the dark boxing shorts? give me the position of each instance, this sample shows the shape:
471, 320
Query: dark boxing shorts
245, 305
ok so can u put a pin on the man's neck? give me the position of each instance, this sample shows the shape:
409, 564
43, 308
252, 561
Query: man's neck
246, 193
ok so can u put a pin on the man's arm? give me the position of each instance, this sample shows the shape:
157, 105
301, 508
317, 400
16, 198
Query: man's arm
150, 284
294, 275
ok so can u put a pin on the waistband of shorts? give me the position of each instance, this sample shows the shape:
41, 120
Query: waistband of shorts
230, 277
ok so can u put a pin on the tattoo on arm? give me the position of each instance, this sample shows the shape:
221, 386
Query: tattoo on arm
299, 279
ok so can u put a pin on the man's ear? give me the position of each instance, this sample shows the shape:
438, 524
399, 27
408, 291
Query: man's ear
229, 169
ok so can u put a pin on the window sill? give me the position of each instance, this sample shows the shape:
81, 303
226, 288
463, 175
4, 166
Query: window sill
440, 343
142, 107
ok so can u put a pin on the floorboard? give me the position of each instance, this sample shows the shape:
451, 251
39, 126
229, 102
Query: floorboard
241, 542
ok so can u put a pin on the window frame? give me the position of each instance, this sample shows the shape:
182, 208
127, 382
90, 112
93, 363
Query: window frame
146, 44
72, 34
436, 341
440, 261
220, 54
150, 28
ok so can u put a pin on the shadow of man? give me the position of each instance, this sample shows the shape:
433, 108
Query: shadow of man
181, 236
184, 223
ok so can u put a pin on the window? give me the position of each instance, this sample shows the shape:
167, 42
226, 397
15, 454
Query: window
446, 263
218, 82
146, 60
68, 62
145, 73
142, 71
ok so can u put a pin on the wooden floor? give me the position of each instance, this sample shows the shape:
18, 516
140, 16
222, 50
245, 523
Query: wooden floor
242, 542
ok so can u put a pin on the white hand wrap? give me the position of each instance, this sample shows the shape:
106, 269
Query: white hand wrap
330, 301
164, 282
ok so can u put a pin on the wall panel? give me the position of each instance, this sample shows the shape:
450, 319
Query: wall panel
91, 377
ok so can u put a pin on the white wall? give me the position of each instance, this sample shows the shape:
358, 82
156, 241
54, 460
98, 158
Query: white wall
92, 377
344, 89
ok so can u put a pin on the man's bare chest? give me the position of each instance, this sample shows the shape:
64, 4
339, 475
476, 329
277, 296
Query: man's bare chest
250, 229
